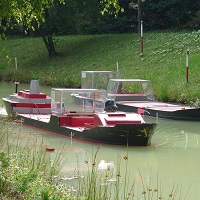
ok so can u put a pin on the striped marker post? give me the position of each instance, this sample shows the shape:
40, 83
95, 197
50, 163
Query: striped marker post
187, 61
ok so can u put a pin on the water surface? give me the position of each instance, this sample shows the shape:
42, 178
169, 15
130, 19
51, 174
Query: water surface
173, 157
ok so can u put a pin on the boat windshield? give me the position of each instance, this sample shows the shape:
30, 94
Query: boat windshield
130, 86
65, 101
97, 79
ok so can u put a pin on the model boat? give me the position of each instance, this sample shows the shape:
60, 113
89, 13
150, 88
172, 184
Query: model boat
95, 121
132, 95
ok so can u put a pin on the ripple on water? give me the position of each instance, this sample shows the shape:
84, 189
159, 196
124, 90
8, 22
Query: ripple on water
177, 134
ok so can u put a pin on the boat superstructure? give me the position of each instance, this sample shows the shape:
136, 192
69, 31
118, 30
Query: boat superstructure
133, 94
84, 118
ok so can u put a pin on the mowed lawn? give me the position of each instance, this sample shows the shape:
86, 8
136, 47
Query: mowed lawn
163, 62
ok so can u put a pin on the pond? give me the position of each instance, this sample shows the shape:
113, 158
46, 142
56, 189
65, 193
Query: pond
172, 158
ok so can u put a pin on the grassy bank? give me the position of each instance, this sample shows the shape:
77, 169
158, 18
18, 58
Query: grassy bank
164, 61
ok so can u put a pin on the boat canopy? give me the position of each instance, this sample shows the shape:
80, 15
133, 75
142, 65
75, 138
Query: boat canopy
97, 79
130, 86
65, 100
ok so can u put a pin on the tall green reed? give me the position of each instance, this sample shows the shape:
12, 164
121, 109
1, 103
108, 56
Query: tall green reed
28, 171
26, 168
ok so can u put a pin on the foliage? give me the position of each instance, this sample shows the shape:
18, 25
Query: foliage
26, 171
168, 14
60, 17
85, 17
39, 15
24, 11
111, 7
32, 14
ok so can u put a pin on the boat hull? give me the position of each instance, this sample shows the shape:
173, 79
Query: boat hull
8, 108
184, 114
120, 134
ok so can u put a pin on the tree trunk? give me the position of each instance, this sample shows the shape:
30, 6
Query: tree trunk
48, 41
47, 37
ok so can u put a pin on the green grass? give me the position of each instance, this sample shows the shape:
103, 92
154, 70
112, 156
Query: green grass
164, 61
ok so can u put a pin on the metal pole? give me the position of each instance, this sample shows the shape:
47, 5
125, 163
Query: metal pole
92, 80
187, 61
139, 14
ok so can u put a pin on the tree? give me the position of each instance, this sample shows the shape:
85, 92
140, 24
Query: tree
46, 33
34, 14
168, 14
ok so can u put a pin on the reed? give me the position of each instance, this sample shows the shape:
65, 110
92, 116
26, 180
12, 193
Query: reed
26, 167
28, 171
109, 183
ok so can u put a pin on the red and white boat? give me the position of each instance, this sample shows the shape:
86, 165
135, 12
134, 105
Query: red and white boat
79, 118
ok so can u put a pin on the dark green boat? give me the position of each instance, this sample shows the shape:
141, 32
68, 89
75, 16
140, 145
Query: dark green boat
83, 120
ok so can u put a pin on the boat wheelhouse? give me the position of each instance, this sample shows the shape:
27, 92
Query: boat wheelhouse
133, 94
97, 79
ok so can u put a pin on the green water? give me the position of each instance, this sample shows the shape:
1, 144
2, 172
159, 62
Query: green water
172, 158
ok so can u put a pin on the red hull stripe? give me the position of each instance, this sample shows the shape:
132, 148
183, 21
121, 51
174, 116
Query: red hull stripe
30, 105
26, 94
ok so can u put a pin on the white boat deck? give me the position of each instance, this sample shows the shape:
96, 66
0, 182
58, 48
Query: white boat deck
155, 105
44, 118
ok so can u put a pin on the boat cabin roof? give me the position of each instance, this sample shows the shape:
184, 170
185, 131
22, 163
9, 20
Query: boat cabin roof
99, 72
97, 79
129, 80
127, 88
71, 90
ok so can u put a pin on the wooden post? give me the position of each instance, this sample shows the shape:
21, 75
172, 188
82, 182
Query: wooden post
16, 63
